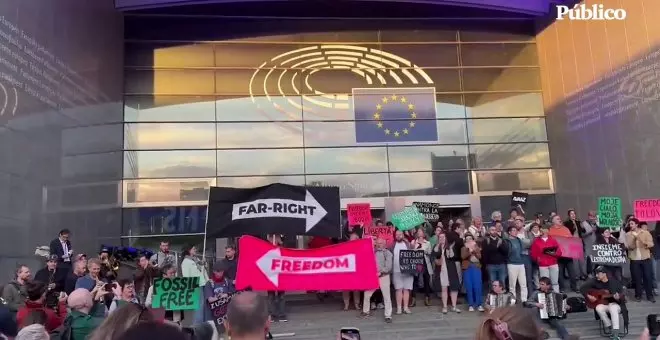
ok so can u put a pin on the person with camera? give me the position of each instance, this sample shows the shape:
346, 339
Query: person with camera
37, 292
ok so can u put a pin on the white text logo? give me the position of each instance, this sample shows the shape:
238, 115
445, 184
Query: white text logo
595, 12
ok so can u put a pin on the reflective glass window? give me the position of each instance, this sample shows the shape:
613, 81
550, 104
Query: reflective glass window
509, 156
507, 130
343, 133
430, 183
169, 164
154, 136
252, 55
159, 221
164, 82
169, 108
167, 190
257, 181
345, 160
258, 108
417, 35
503, 54
486, 105
259, 82
427, 157
168, 55
354, 185
512, 181
95, 166
502, 79
449, 106
520, 31
259, 135
423, 55
260, 162
91, 139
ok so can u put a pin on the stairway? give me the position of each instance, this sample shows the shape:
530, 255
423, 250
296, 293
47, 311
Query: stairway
316, 320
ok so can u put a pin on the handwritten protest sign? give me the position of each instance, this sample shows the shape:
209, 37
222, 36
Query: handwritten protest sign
219, 308
647, 210
359, 213
411, 261
386, 233
430, 211
611, 254
179, 293
407, 218
571, 247
609, 212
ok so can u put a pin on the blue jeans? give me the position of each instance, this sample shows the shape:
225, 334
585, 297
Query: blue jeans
497, 272
554, 324
472, 282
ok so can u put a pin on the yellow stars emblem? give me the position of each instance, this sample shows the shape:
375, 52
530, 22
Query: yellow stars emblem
392, 100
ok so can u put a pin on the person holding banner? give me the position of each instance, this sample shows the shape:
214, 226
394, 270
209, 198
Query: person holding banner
276, 302
605, 237
557, 229
168, 272
545, 251
219, 286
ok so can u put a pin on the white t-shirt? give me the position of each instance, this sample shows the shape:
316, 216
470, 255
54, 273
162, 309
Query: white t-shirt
398, 246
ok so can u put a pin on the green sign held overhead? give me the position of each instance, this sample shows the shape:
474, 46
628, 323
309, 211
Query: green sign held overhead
609, 213
407, 218
179, 293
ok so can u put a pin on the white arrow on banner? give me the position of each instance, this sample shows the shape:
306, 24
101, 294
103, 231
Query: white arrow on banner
310, 210
272, 264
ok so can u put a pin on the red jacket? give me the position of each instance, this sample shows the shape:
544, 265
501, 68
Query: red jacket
53, 320
541, 258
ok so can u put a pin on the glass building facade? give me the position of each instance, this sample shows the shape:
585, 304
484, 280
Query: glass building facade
245, 112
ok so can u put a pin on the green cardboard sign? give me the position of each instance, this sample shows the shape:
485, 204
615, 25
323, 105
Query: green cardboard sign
609, 212
407, 218
178, 293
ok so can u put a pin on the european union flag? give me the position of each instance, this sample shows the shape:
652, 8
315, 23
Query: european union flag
395, 115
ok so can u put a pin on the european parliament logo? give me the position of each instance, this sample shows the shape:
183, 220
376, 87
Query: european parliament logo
395, 115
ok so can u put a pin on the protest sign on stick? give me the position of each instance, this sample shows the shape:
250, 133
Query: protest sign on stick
179, 293
407, 218
647, 210
609, 212
359, 213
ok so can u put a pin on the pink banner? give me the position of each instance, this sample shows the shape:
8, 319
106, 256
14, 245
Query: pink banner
345, 266
571, 247
647, 210
359, 213
386, 233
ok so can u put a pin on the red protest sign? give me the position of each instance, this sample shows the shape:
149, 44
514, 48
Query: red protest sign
345, 266
359, 213
571, 247
647, 210
386, 233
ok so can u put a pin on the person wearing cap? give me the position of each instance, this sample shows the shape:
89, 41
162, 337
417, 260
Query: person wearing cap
614, 305
545, 251
53, 277
219, 286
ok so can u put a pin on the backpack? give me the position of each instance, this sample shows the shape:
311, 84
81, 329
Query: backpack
64, 331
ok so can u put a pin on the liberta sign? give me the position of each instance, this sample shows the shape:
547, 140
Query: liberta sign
593, 12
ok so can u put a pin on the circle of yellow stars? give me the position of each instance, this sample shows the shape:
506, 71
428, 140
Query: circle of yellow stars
394, 99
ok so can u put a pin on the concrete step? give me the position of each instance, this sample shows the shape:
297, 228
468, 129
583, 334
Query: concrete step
323, 320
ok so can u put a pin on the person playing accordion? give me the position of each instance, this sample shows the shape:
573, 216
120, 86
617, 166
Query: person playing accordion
498, 297
551, 307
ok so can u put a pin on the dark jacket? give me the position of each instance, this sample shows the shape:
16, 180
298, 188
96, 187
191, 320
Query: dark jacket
516, 248
612, 285
580, 230
494, 251
232, 267
70, 282
56, 248
143, 279
58, 278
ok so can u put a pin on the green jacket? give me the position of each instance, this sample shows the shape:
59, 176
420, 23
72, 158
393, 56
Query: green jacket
83, 325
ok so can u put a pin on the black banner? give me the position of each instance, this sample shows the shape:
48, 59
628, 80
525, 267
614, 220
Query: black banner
519, 198
274, 209
219, 308
431, 211
411, 261
611, 254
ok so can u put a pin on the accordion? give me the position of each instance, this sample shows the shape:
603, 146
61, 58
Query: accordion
554, 305
501, 300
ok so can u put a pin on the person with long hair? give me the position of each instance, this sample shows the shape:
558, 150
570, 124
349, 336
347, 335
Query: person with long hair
604, 236
447, 256
191, 266
471, 255
117, 323
511, 323
420, 243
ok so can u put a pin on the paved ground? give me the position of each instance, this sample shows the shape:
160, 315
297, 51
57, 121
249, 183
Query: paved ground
315, 320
